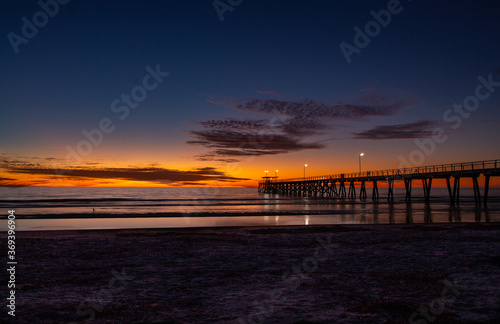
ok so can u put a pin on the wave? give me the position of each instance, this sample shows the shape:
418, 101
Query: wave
342, 212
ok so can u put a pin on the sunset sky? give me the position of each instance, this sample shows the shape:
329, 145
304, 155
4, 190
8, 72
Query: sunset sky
183, 93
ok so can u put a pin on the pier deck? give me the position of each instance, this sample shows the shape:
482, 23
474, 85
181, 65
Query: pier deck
343, 185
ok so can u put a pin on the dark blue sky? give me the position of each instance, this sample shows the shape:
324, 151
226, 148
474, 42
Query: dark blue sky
427, 58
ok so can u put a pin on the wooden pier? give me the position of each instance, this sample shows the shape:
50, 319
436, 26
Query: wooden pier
343, 185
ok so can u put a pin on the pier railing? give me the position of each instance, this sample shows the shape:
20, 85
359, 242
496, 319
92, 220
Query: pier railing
479, 166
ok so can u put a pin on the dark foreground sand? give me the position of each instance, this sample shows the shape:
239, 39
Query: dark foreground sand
319, 274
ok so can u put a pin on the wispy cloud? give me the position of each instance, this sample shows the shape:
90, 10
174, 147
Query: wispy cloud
283, 126
235, 124
213, 157
271, 93
370, 106
418, 129
244, 143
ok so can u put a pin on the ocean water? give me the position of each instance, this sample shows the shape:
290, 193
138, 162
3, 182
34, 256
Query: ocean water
42, 208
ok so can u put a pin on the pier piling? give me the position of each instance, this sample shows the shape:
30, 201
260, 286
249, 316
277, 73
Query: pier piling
326, 186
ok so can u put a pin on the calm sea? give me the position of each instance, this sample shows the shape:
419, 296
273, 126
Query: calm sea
40, 208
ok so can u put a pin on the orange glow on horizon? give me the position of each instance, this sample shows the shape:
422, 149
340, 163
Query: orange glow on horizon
53, 181
246, 173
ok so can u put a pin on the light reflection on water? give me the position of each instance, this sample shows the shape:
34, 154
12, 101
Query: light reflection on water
240, 203
391, 216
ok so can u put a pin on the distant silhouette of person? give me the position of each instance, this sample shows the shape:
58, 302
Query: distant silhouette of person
93, 211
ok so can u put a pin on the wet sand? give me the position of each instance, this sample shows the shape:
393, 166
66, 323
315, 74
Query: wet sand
420, 273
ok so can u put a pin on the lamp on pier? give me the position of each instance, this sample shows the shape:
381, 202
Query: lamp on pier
360, 155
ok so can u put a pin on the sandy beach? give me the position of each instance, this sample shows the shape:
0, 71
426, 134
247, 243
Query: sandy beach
425, 273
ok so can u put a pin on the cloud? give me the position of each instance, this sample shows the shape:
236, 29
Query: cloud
149, 174
370, 106
270, 92
8, 182
287, 126
302, 126
213, 157
245, 143
308, 117
235, 124
418, 129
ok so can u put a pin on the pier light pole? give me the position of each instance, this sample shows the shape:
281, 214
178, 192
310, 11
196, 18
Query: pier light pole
276, 174
360, 155
305, 171
266, 173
